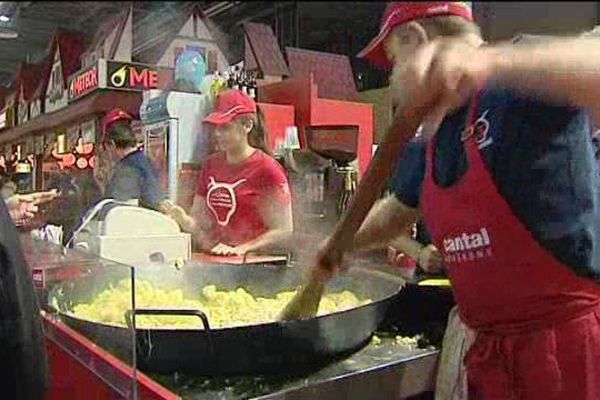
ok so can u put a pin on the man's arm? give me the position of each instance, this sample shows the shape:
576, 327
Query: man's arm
561, 69
387, 219
408, 246
427, 257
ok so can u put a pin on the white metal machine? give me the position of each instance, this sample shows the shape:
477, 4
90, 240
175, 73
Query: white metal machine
132, 235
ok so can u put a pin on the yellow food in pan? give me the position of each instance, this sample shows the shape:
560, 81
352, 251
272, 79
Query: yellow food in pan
223, 308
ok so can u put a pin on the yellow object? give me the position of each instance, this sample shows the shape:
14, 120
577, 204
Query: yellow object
435, 282
223, 308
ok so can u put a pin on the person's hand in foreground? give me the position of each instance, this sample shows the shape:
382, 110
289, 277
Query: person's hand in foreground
23, 207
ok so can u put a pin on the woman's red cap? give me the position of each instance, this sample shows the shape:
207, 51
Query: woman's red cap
401, 12
230, 104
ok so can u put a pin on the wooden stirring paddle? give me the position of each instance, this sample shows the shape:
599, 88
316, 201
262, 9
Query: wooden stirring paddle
406, 122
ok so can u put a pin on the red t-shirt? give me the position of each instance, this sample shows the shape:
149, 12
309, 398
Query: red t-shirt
234, 193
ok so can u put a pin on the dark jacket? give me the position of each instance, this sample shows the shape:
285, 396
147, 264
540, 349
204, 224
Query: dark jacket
134, 178
22, 352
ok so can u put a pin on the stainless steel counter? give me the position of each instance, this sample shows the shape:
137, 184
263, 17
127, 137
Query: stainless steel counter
385, 371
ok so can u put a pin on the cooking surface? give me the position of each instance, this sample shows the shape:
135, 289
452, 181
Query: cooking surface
387, 354
357, 376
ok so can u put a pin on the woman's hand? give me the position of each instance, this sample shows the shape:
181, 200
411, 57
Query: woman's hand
222, 250
225, 250
430, 259
177, 214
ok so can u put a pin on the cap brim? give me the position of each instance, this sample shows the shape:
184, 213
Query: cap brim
375, 52
217, 118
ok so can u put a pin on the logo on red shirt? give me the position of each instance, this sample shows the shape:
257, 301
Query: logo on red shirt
221, 199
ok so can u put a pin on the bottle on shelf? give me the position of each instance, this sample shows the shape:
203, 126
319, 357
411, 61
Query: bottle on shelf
243, 82
230, 79
236, 79
23, 170
252, 87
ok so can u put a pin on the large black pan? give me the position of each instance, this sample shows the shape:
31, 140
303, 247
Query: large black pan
271, 347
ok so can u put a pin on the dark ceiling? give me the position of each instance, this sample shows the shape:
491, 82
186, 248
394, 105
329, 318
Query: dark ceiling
316, 26
36, 21
338, 27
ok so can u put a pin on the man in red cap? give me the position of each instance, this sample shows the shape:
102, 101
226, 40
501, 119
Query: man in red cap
133, 177
508, 191
113, 117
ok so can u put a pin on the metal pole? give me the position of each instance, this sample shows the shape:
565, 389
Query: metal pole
297, 25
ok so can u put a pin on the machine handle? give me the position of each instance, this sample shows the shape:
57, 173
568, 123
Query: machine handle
183, 312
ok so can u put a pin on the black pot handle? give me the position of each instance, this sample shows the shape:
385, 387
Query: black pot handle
182, 312
168, 311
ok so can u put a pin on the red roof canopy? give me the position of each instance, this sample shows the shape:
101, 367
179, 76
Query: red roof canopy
4, 92
332, 72
71, 48
28, 78
264, 51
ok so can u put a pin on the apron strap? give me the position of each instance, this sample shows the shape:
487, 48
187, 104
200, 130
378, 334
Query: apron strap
466, 136
469, 130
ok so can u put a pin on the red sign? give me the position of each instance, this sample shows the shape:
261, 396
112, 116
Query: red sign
131, 76
83, 83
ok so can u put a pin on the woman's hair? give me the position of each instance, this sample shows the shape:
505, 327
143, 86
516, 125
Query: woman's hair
122, 135
257, 137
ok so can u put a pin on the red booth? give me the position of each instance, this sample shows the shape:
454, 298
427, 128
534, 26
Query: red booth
311, 110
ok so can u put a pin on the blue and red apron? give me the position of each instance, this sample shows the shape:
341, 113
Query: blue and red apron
537, 322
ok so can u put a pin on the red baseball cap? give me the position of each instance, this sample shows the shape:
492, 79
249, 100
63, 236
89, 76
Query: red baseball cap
230, 105
401, 12
113, 116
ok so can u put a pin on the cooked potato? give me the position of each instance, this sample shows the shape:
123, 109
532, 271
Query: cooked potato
223, 308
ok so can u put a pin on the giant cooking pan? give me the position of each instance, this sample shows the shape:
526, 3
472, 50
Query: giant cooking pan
265, 348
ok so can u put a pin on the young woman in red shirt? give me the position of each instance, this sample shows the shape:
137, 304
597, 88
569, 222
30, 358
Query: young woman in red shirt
242, 200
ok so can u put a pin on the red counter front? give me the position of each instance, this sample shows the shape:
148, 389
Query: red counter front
79, 369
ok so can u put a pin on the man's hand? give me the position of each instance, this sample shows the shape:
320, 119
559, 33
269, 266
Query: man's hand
442, 74
328, 262
430, 259
23, 207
